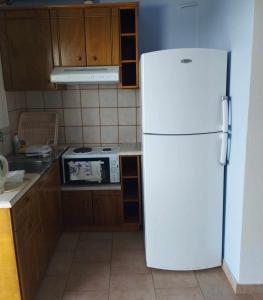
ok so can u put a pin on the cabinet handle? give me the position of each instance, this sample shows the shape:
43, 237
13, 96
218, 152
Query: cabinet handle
95, 58
79, 58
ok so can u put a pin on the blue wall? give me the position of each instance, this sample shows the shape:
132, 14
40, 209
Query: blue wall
229, 25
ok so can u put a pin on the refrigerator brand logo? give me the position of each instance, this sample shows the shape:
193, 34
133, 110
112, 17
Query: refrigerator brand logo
186, 61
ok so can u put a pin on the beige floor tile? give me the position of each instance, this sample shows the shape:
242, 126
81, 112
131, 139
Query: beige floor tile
95, 236
132, 295
179, 294
68, 241
92, 255
129, 261
92, 277
94, 244
135, 236
52, 288
131, 281
93, 251
60, 263
94, 268
215, 286
171, 279
91, 295
258, 296
128, 240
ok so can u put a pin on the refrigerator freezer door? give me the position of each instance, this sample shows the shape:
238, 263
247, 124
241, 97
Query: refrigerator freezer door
183, 201
182, 91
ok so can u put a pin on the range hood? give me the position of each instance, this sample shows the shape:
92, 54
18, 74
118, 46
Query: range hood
85, 75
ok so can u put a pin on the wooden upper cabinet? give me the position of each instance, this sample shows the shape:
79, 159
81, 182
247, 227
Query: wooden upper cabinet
68, 36
26, 49
98, 36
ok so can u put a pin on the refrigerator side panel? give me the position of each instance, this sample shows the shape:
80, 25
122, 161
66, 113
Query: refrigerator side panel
183, 201
182, 89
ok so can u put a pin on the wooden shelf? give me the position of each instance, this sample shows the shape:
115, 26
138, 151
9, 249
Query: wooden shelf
130, 200
128, 61
128, 34
130, 177
131, 189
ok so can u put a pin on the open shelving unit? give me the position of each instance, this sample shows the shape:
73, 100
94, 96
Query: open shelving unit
129, 47
131, 189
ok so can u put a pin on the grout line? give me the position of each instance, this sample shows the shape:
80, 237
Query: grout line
73, 256
110, 265
197, 279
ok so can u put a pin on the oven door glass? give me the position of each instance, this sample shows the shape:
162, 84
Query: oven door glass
87, 171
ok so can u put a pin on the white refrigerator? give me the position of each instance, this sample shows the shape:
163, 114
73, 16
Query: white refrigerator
184, 124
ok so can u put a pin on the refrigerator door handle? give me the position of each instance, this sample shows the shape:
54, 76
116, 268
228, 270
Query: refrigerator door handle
223, 153
225, 113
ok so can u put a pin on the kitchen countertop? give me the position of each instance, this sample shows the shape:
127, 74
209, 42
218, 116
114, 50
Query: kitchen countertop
38, 167
9, 199
130, 149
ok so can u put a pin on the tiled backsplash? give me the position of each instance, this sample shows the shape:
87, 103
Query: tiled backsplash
16, 103
88, 114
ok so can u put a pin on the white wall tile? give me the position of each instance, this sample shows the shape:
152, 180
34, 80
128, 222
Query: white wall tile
91, 135
90, 98
108, 98
72, 117
73, 135
139, 116
138, 98
108, 86
13, 120
127, 116
61, 135
127, 134
35, 100
89, 86
126, 98
53, 99
139, 134
109, 116
71, 98
109, 134
60, 113
11, 100
90, 116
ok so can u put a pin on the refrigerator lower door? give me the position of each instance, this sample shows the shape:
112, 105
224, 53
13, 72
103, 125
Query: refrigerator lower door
183, 201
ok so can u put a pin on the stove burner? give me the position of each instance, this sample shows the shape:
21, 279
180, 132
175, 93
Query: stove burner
82, 150
106, 149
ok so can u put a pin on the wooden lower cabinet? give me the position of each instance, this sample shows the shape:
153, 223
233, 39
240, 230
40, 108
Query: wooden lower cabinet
77, 208
107, 208
33, 230
91, 209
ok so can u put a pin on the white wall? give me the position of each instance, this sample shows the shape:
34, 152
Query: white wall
251, 267
229, 25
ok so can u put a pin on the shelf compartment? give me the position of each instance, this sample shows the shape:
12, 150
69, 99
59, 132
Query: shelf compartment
129, 71
131, 212
128, 23
129, 166
128, 48
130, 190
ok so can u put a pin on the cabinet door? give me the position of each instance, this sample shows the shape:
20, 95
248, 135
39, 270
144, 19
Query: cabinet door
29, 50
68, 35
107, 207
98, 36
77, 208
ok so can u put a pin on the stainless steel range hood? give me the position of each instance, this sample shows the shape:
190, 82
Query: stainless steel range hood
85, 75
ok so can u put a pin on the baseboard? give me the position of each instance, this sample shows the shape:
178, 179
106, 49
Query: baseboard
241, 288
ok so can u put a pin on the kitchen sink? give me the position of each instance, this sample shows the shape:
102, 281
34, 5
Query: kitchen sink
30, 166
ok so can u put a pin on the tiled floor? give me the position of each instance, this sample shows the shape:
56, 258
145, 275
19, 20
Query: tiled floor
106, 266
